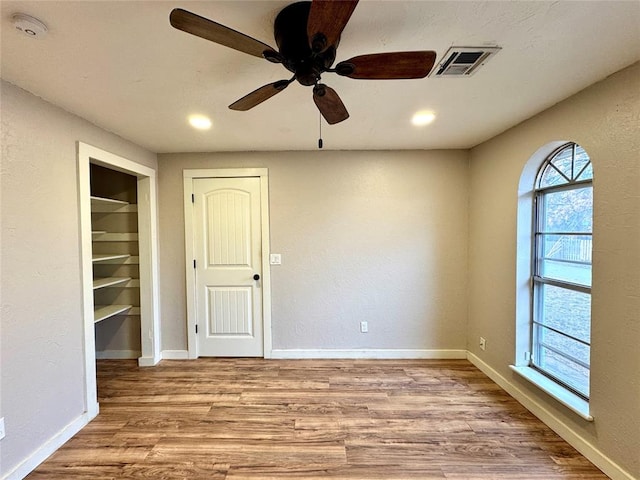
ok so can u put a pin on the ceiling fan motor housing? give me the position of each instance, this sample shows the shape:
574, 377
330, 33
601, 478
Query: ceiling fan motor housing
290, 31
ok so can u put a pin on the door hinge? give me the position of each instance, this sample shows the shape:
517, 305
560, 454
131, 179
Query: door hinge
193, 198
196, 328
194, 264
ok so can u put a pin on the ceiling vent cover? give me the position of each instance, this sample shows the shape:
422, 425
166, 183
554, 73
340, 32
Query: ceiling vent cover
463, 61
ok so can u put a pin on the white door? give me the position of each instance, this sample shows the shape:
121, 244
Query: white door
228, 251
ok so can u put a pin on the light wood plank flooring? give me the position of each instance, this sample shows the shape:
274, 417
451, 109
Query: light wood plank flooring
252, 419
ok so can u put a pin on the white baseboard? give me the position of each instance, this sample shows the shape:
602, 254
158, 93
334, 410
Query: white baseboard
45, 451
148, 361
368, 353
599, 459
117, 354
175, 355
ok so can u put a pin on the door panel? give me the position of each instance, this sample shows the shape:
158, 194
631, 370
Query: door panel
228, 246
230, 311
229, 221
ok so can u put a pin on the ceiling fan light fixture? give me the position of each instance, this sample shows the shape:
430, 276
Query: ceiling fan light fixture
200, 122
422, 118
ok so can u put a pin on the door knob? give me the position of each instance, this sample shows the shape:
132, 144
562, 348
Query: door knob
256, 277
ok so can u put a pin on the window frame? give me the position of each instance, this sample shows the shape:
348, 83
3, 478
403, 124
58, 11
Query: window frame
538, 281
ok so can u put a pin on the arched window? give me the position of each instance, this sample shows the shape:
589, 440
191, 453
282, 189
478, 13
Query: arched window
561, 283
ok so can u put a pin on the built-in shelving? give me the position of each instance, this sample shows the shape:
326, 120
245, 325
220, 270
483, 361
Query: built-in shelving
113, 242
116, 270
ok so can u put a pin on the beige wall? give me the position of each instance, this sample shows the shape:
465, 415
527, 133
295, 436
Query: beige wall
604, 119
42, 366
376, 236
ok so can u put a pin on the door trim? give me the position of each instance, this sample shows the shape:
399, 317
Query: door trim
188, 176
148, 244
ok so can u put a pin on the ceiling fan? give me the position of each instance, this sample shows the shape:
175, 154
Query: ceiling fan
307, 34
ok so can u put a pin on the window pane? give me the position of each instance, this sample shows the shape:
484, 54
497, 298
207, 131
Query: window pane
586, 174
568, 372
566, 258
550, 177
568, 210
563, 161
565, 310
581, 160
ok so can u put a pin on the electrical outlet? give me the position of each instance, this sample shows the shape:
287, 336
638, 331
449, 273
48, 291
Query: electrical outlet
2, 428
483, 343
364, 327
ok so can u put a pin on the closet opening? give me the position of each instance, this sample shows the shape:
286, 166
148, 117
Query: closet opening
119, 255
115, 263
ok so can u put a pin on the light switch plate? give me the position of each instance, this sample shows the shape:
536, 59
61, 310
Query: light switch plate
275, 259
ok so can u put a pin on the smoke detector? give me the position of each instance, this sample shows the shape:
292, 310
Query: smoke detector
463, 61
31, 27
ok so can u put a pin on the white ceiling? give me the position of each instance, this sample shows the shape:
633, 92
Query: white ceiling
120, 65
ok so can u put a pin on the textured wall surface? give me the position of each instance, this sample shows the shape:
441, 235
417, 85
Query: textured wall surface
376, 236
604, 119
42, 362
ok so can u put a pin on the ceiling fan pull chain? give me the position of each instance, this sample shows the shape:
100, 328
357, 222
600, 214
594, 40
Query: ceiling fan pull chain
320, 123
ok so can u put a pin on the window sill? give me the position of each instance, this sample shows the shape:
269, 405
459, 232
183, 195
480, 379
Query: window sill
564, 396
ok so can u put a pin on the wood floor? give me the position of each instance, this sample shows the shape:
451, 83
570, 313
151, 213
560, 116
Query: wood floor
236, 419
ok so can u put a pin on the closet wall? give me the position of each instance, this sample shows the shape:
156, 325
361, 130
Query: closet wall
116, 278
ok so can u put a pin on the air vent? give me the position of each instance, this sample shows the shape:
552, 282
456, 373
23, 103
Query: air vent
463, 61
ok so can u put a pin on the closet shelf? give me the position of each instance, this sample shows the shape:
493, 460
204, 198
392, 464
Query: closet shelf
102, 201
102, 312
116, 237
118, 260
98, 232
114, 208
109, 282
102, 257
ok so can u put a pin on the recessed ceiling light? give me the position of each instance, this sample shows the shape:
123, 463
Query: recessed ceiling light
423, 118
200, 122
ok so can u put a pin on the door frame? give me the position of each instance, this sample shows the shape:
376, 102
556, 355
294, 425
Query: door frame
189, 175
148, 254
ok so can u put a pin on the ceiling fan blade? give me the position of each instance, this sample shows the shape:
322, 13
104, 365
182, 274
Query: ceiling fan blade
388, 66
327, 19
260, 95
329, 104
210, 30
